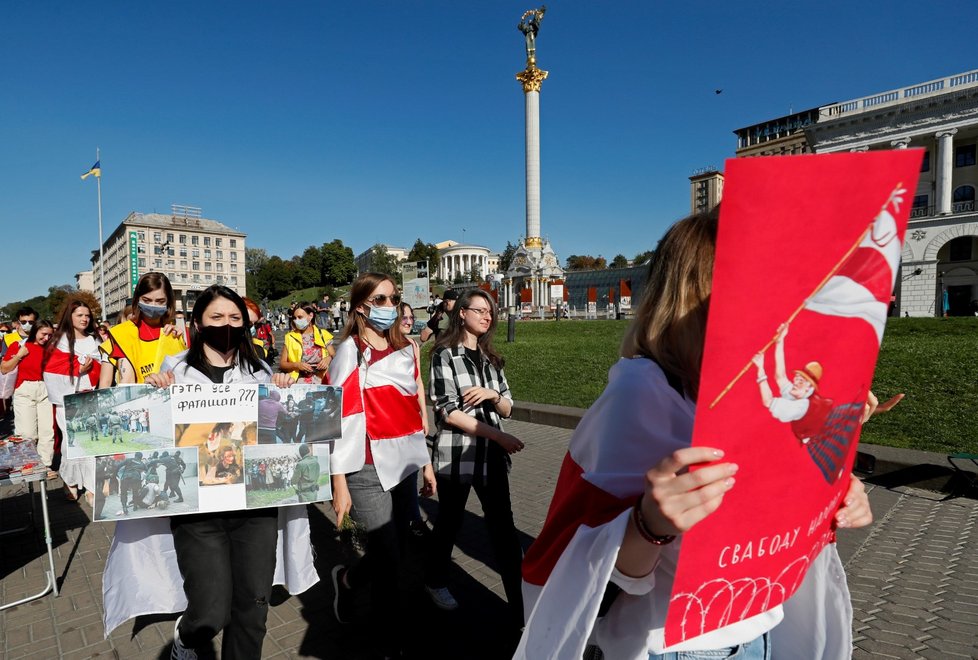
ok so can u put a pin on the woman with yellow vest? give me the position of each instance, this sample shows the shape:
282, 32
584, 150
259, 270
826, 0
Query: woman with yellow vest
136, 348
308, 348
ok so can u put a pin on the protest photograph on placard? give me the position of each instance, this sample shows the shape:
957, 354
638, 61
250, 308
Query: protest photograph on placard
786, 375
146, 484
117, 420
217, 420
300, 413
280, 475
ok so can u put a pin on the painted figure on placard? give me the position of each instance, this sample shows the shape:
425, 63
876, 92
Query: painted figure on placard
799, 403
824, 429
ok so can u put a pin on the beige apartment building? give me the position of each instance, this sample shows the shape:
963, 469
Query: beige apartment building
192, 251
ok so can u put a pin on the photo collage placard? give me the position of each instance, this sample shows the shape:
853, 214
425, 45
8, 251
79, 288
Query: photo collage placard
196, 448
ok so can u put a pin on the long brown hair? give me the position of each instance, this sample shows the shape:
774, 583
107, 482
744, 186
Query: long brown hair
356, 322
152, 282
66, 329
670, 324
455, 332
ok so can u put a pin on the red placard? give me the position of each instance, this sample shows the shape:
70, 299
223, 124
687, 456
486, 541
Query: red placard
810, 244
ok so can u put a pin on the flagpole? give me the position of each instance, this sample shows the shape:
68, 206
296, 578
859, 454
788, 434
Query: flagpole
821, 284
101, 251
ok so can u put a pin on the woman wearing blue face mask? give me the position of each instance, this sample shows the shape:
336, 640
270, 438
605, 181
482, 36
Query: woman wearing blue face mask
308, 348
375, 464
136, 348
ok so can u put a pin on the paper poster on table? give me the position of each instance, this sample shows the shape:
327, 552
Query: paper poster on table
117, 420
807, 255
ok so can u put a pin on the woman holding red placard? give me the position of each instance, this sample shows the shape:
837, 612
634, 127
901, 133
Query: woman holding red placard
609, 549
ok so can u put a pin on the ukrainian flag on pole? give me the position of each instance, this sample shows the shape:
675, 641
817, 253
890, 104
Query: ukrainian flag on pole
96, 170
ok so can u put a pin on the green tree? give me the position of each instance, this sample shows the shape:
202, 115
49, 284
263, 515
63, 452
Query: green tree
643, 257
275, 278
37, 303
384, 262
255, 260
476, 274
306, 270
619, 261
506, 258
422, 251
338, 267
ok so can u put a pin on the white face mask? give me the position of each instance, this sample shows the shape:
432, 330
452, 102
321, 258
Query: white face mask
301, 324
26, 327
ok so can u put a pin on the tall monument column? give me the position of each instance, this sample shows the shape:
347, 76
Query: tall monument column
531, 78
534, 262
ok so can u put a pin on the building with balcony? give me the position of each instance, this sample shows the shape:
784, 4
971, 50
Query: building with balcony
705, 189
192, 251
939, 267
777, 137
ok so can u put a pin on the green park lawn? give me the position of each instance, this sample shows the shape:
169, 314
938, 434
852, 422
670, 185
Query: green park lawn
933, 361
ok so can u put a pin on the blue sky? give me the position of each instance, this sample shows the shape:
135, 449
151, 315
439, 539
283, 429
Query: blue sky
301, 122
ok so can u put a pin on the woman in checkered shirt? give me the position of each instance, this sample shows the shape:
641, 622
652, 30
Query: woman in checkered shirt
471, 397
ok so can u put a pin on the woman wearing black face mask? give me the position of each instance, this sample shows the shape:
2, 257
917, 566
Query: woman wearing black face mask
227, 560
136, 348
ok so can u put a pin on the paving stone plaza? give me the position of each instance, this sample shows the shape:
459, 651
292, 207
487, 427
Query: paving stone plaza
913, 575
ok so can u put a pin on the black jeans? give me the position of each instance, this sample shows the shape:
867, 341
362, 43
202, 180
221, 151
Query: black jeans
228, 566
493, 493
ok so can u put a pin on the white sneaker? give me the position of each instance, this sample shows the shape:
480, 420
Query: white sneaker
178, 650
442, 598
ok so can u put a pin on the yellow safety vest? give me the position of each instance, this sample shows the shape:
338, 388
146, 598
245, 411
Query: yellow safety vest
146, 357
293, 346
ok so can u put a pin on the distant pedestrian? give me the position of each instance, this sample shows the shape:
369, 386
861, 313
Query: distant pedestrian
438, 322
323, 315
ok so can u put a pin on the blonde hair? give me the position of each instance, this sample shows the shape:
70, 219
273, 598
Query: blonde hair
670, 324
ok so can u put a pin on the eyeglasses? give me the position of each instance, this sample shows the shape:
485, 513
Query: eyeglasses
481, 311
381, 299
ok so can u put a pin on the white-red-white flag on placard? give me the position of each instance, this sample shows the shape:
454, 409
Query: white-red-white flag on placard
862, 286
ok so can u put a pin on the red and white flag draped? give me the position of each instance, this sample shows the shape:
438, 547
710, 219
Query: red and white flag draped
381, 397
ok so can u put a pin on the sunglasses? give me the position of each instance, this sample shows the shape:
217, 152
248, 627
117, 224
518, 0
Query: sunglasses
381, 299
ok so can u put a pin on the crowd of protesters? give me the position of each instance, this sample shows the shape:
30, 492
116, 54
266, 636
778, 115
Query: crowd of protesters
377, 463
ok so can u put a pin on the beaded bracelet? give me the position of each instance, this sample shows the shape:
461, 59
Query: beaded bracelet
643, 529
